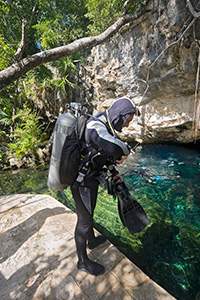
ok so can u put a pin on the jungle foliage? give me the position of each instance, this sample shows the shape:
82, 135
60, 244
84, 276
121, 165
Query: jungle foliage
29, 27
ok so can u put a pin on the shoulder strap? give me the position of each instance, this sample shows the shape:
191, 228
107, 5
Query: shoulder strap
110, 124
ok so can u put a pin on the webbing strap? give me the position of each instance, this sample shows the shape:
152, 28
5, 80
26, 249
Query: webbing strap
110, 124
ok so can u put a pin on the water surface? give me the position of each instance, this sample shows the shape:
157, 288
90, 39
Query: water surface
165, 180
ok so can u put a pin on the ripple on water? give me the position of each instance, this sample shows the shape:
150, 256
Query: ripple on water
164, 179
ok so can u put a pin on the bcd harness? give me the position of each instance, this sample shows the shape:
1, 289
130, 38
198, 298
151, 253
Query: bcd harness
67, 157
87, 166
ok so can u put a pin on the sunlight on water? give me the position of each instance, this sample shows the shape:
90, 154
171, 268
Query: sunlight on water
165, 180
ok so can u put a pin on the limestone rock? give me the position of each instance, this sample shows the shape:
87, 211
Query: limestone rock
145, 62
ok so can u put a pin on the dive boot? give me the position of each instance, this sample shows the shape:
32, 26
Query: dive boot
90, 267
86, 265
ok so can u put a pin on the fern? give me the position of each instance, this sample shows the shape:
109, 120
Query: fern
28, 136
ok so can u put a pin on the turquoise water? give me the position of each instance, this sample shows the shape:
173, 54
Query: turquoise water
165, 180
167, 184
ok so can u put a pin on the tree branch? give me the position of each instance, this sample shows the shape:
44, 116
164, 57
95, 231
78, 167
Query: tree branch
18, 69
32, 14
127, 6
20, 50
192, 11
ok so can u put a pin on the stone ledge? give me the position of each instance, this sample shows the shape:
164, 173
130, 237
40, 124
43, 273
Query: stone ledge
38, 257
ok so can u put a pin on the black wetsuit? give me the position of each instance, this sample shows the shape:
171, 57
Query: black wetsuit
98, 138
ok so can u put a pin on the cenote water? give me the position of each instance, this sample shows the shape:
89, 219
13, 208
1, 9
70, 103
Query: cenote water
165, 180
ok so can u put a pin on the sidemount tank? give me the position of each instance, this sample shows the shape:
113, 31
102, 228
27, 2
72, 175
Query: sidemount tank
64, 126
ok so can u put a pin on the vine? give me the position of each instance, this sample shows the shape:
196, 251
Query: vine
196, 114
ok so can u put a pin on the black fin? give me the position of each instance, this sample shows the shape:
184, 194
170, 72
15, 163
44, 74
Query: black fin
131, 212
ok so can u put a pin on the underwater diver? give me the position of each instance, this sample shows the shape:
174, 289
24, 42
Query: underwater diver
104, 146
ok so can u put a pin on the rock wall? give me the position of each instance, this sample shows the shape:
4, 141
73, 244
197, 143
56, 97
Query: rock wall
153, 62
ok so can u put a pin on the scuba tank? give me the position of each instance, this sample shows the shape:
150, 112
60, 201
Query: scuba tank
68, 147
64, 126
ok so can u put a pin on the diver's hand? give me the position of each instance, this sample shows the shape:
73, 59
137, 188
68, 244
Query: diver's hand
121, 160
118, 178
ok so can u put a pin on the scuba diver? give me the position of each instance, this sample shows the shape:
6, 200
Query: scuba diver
103, 147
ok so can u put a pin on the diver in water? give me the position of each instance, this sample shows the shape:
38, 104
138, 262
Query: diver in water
103, 146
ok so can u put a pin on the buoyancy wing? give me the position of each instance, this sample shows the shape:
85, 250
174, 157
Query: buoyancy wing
131, 212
